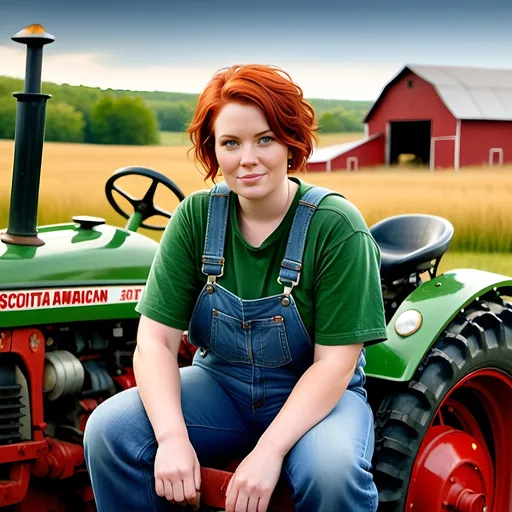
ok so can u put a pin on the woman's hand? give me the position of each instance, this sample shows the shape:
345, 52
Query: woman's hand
177, 472
254, 482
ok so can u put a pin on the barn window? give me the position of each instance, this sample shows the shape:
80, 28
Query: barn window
410, 84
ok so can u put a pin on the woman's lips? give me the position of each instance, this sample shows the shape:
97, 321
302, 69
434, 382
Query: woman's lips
251, 178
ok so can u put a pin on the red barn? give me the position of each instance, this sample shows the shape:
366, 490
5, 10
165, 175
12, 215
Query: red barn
366, 152
445, 116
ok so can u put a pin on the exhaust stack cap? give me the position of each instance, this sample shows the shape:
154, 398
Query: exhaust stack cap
33, 35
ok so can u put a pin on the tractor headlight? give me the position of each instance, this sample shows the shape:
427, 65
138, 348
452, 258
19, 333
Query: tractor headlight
408, 322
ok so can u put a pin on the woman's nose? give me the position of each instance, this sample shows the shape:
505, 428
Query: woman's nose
248, 156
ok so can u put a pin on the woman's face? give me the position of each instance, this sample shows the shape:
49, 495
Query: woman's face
253, 162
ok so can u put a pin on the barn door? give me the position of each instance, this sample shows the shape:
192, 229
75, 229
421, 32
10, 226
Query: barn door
408, 138
442, 153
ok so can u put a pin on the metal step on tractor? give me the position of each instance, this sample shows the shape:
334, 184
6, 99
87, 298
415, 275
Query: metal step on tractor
440, 386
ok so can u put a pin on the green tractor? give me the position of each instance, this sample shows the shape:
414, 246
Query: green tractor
440, 386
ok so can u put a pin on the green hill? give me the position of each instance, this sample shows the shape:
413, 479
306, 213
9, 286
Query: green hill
173, 109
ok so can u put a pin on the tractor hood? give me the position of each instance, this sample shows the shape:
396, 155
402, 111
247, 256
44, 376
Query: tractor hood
74, 256
81, 273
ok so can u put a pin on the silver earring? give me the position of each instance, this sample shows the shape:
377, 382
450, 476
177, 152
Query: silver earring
290, 163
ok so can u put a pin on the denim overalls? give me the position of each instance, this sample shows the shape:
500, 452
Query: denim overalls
251, 355
261, 343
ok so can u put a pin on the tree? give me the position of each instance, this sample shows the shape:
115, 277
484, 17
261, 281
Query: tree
173, 117
80, 97
9, 85
125, 120
63, 123
7, 117
330, 123
341, 120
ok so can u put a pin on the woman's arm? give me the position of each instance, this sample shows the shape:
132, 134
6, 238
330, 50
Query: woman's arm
318, 391
155, 364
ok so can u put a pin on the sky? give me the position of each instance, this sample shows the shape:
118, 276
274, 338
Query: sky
332, 49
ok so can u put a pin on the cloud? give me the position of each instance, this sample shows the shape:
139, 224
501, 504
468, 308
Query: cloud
342, 80
91, 70
13, 62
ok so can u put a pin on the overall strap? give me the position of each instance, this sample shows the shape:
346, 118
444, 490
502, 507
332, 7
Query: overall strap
213, 255
291, 266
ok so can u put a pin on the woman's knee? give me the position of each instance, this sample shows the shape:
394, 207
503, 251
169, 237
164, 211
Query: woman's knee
116, 426
331, 462
338, 478
330, 468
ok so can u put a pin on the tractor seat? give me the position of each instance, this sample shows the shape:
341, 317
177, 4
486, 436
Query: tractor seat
214, 484
412, 243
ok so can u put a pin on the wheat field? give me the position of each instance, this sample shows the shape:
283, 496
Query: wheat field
478, 201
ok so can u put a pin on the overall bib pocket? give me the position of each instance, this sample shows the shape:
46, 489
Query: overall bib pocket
229, 339
270, 342
262, 342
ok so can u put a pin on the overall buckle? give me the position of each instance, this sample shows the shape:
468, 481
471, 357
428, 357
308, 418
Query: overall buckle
287, 288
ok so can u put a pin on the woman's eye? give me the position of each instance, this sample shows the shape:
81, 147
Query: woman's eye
229, 143
266, 139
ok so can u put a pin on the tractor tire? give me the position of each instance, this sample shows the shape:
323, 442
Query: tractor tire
443, 439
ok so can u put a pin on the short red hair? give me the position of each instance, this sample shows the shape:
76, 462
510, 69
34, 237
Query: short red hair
290, 117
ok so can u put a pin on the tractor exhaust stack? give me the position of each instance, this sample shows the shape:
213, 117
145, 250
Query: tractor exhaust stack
28, 142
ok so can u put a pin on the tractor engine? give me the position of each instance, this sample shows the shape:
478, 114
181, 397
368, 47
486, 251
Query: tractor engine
84, 365
65, 370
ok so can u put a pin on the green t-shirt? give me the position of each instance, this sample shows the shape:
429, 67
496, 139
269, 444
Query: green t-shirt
339, 295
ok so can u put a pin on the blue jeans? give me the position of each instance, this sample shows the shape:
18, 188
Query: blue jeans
328, 469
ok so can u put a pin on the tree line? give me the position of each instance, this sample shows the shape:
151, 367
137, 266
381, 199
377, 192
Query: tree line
92, 115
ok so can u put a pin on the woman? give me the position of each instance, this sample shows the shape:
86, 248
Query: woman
278, 284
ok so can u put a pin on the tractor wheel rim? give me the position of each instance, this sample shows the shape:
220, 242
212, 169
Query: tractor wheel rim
459, 467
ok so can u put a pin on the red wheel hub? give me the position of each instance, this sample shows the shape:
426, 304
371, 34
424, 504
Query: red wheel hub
454, 470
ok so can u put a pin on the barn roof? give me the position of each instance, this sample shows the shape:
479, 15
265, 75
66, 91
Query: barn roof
469, 93
329, 152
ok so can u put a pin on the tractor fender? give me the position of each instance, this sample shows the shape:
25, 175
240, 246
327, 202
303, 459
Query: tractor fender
438, 300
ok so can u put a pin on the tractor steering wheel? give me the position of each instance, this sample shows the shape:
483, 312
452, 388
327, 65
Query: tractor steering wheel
145, 207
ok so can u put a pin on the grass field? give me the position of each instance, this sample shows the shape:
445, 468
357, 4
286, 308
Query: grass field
477, 201
173, 139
